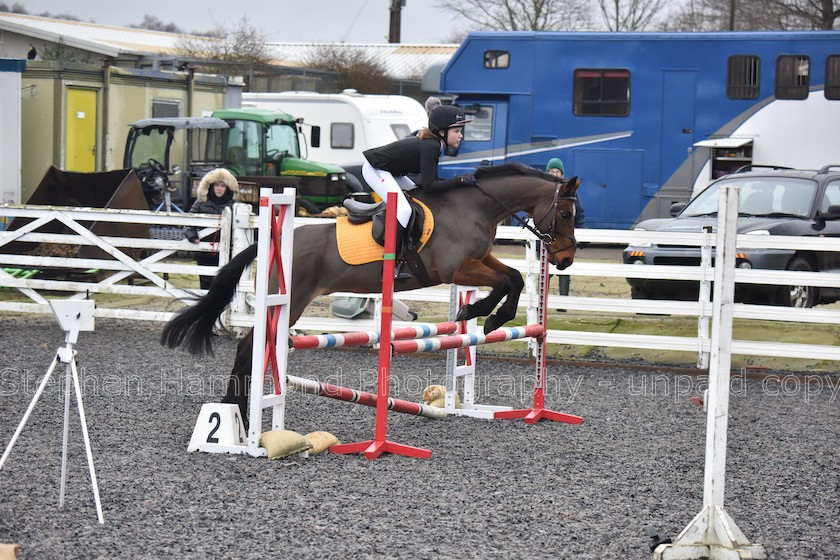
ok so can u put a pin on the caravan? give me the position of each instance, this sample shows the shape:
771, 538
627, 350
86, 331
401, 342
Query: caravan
646, 119
348, 123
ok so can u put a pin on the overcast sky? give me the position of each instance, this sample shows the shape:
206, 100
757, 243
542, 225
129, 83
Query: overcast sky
351, 21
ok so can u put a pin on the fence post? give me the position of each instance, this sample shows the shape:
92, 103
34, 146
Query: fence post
713, 533
242, 237
704, 298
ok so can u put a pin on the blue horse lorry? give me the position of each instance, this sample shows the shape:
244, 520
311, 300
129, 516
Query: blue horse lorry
646, 119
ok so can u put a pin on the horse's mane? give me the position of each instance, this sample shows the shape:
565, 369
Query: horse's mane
511, 168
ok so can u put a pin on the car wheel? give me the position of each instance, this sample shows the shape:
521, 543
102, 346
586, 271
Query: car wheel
796, 296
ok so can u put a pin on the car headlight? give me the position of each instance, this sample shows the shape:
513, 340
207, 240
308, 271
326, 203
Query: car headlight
757, 232
640, 243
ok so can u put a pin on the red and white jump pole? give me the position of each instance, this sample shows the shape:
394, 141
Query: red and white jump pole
360, 397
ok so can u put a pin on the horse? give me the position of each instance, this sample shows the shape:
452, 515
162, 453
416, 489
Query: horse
458, 252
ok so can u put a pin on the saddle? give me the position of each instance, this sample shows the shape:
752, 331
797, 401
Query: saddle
361, 212
370, 218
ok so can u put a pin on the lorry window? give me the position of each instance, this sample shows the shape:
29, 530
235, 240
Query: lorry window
401, 130
281, 138
743, 73
792, 76
496, 59
481, 127
601, 92
832, 77
341, 136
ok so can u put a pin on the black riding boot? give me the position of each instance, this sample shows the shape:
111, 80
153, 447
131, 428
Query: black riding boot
400, 268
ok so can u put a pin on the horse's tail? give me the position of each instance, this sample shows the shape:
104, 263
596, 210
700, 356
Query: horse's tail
193, 326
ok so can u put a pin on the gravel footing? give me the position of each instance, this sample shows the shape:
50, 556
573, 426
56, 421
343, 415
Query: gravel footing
492, 489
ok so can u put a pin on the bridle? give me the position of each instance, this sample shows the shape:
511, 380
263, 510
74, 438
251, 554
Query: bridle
549, 236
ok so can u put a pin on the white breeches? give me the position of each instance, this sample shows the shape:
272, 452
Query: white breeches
382, 183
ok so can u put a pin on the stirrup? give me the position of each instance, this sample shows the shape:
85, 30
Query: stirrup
399, 271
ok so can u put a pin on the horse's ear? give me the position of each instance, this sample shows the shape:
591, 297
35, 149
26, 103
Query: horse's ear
573, 184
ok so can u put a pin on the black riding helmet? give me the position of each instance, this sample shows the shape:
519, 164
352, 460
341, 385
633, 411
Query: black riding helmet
445, 117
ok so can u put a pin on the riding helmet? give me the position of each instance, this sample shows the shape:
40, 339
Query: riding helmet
445, 117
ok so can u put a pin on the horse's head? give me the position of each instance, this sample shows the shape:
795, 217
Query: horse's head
549, 200
555, 220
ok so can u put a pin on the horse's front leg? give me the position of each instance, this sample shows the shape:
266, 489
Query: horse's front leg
509, 308
239, 382
473, 272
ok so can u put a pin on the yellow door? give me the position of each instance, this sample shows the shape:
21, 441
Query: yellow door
80, 140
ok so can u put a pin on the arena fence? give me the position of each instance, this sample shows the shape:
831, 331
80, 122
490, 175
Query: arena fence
141, 268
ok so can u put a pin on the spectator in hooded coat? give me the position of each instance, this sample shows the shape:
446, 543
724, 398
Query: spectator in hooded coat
217, 190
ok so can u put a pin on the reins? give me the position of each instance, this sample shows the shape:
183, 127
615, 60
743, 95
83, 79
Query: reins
549, 236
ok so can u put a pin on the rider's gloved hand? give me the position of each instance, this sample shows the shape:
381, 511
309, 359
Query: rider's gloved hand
468, 179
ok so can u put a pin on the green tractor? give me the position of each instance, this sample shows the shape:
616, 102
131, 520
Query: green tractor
263, 143
261, 148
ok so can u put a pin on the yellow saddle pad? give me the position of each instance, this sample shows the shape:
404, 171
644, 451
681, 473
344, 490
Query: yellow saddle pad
356, 244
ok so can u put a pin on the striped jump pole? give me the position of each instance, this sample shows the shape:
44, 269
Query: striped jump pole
462, 340
369, 338
340, 393
379, 444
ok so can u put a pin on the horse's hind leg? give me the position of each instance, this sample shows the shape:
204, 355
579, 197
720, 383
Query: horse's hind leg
239, 382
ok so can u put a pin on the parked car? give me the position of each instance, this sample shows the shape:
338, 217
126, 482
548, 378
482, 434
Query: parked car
773, 201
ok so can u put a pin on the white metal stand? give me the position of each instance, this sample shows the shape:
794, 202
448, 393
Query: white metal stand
458, 297
73, 316
712, 534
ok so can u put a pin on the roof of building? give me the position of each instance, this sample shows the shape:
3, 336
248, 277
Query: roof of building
103, 39
400, 61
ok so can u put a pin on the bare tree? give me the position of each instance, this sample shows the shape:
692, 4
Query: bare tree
755, 15
629, 15
522, 15
810, 14
236, 51
153, 23
354, 68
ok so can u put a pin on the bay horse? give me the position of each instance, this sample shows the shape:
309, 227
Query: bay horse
458, 252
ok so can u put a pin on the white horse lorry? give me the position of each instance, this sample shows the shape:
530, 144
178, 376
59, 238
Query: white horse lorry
353, 122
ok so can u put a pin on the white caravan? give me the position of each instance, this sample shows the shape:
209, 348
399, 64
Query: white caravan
348, 123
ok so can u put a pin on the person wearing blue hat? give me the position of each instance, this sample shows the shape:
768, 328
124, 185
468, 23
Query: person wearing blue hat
555, 167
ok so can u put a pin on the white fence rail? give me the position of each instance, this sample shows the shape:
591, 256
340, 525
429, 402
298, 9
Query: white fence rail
235, 231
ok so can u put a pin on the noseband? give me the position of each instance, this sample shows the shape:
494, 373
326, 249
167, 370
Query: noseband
551, 235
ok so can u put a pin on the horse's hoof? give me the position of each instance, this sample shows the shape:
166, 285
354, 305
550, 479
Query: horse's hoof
491, 324
463, 313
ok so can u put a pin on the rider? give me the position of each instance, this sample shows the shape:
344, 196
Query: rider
386, 168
